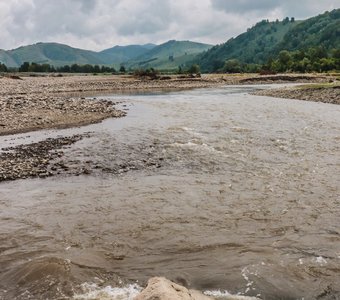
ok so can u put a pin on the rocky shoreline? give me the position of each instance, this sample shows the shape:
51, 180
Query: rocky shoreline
327, 94
33, 103
34, 160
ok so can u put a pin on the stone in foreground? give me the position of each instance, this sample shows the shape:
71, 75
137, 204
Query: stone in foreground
160, 288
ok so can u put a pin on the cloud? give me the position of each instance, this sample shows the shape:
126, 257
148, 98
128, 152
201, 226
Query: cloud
99, 24
144, 18
242, 6
299, 9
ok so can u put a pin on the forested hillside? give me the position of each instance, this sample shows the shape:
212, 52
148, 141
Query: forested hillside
266, 40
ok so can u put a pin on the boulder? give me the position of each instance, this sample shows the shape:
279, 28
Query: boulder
160, 288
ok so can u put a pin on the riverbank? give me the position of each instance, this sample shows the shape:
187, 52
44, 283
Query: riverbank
326, 93
40, 102
33, 103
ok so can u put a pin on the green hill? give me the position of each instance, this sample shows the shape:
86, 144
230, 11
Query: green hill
52, 53
166, 56
7, 59
253, 46
169, 55
119, 54
59, 55
266, 39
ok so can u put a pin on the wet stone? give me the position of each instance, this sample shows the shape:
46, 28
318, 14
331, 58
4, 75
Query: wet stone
34, 160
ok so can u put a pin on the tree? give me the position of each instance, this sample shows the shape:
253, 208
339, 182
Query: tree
3, 68
24, 67
75, 68
284, 60
122, 70
87, 68
66, 69
327, 64
285, 21
317, 53
232, 66
194, 69
96, 69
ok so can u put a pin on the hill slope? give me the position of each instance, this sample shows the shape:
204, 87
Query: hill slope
322, 30
120, 54
253, 46
169, 55
52, 53
59, 55
267, 39
7, 59
166, 56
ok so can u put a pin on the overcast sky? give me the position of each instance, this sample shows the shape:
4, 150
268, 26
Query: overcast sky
100, 24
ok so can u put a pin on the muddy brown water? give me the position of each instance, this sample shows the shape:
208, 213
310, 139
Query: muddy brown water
213, 188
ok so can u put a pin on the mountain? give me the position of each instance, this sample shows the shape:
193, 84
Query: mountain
60, 55
169, 55
51, 53
120, 54
166, 56
266, 39
253, 46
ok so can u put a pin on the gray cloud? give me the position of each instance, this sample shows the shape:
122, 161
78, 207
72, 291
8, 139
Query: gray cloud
294, 8
241, 6
99, 24
87, 5
149, 18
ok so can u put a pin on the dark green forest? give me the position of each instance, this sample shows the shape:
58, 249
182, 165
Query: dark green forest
286, 45
74, 68
316, 59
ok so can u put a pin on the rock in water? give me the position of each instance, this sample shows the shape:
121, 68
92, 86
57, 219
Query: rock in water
160, 288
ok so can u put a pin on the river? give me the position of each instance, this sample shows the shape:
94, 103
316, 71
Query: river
215, 189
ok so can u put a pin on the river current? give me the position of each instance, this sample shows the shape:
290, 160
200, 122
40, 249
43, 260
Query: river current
216, 189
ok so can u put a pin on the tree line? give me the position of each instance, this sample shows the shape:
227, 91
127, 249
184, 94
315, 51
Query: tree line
74, 68
315, 59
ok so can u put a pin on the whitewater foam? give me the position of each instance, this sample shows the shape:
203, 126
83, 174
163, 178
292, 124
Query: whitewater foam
93, 291
225, 295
